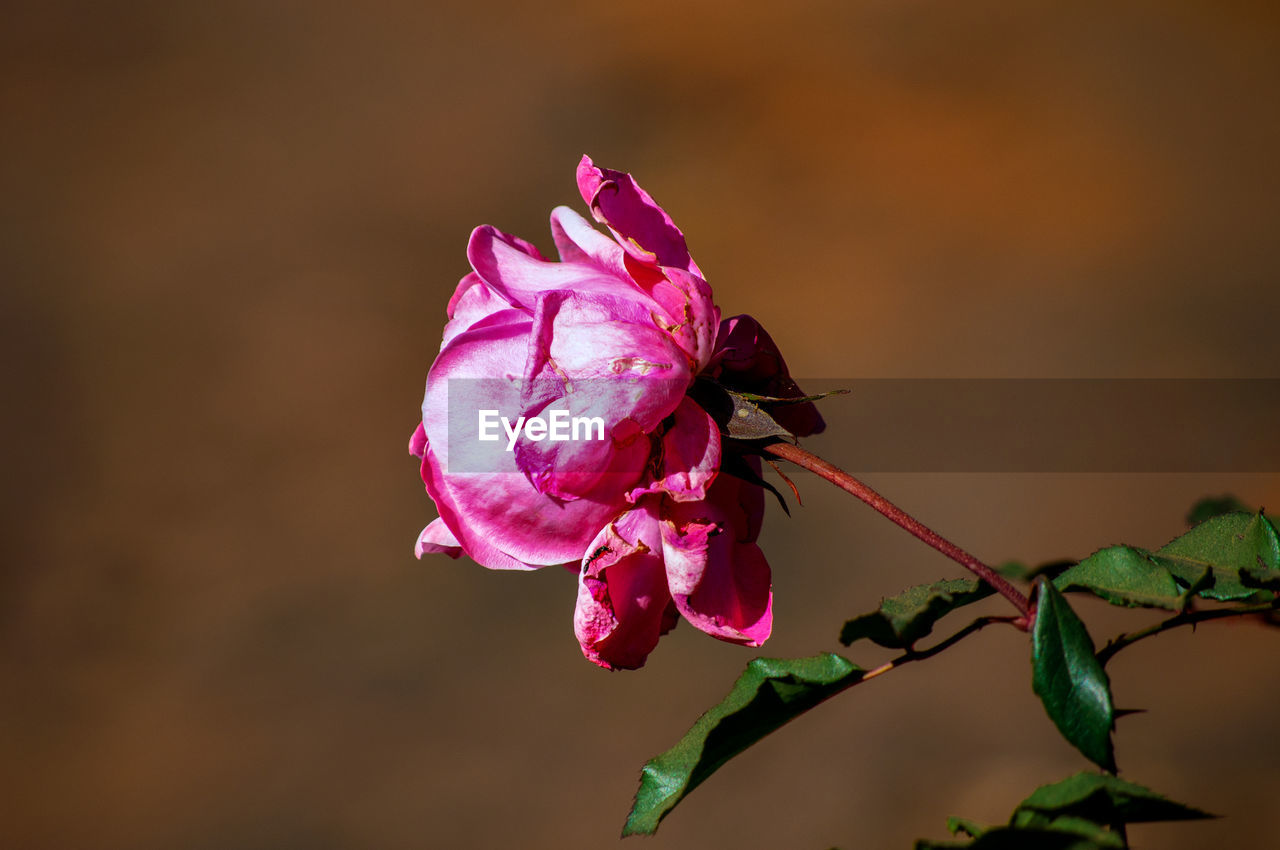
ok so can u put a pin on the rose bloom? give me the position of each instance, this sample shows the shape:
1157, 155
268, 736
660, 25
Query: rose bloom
660, 518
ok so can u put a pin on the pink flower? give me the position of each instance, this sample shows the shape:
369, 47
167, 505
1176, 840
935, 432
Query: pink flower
617, 332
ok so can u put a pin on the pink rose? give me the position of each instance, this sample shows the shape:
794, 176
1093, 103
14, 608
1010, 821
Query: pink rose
615, 333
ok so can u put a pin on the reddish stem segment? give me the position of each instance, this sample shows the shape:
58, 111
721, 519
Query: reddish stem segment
892, 512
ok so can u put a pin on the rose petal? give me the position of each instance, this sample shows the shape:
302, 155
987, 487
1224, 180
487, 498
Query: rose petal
690, 456
485, 499
472, 302
476, 546
719, 578
519, 277
592, 458
437, 537
606, 354
623, 603
418, 442
579, 242
563, 311
574, 367
644, 230
695, 319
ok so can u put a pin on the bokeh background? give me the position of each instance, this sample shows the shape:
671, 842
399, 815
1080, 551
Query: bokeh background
227, 236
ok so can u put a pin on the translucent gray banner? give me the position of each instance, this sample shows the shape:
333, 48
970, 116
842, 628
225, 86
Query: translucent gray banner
928, 425
1062, 425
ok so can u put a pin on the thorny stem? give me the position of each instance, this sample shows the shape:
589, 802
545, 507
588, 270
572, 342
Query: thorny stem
1187, 618
1111, 648
920, 655
892, 512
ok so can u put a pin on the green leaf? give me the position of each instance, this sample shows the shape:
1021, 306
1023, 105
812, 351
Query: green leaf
1231, 557
1014, 571
1078, 813
1261, 577
1068, 678
1101, 799
769, 693
1207, 509
1011, 838
1123, 575
1222, 547
973, 829
1097, 833
902, 620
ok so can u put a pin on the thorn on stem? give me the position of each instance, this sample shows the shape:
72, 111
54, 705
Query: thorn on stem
794, 490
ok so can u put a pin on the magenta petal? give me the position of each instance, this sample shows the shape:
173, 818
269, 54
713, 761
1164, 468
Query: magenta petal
620, 351
520, 277
471, 303
573, 468
695, 319
690, 456
437, 537
476, 546
655, 257
734, 602
719, 578
690, 453
597, 358
684, 550
563, 312
579, 242
607, 357
623, 603
643, 228
622, 373
418, 442
485, 499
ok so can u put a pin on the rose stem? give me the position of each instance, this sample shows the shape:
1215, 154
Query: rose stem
1185, 618
892, 512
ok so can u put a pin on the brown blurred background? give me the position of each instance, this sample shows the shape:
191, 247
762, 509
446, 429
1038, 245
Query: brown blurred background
227, 236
